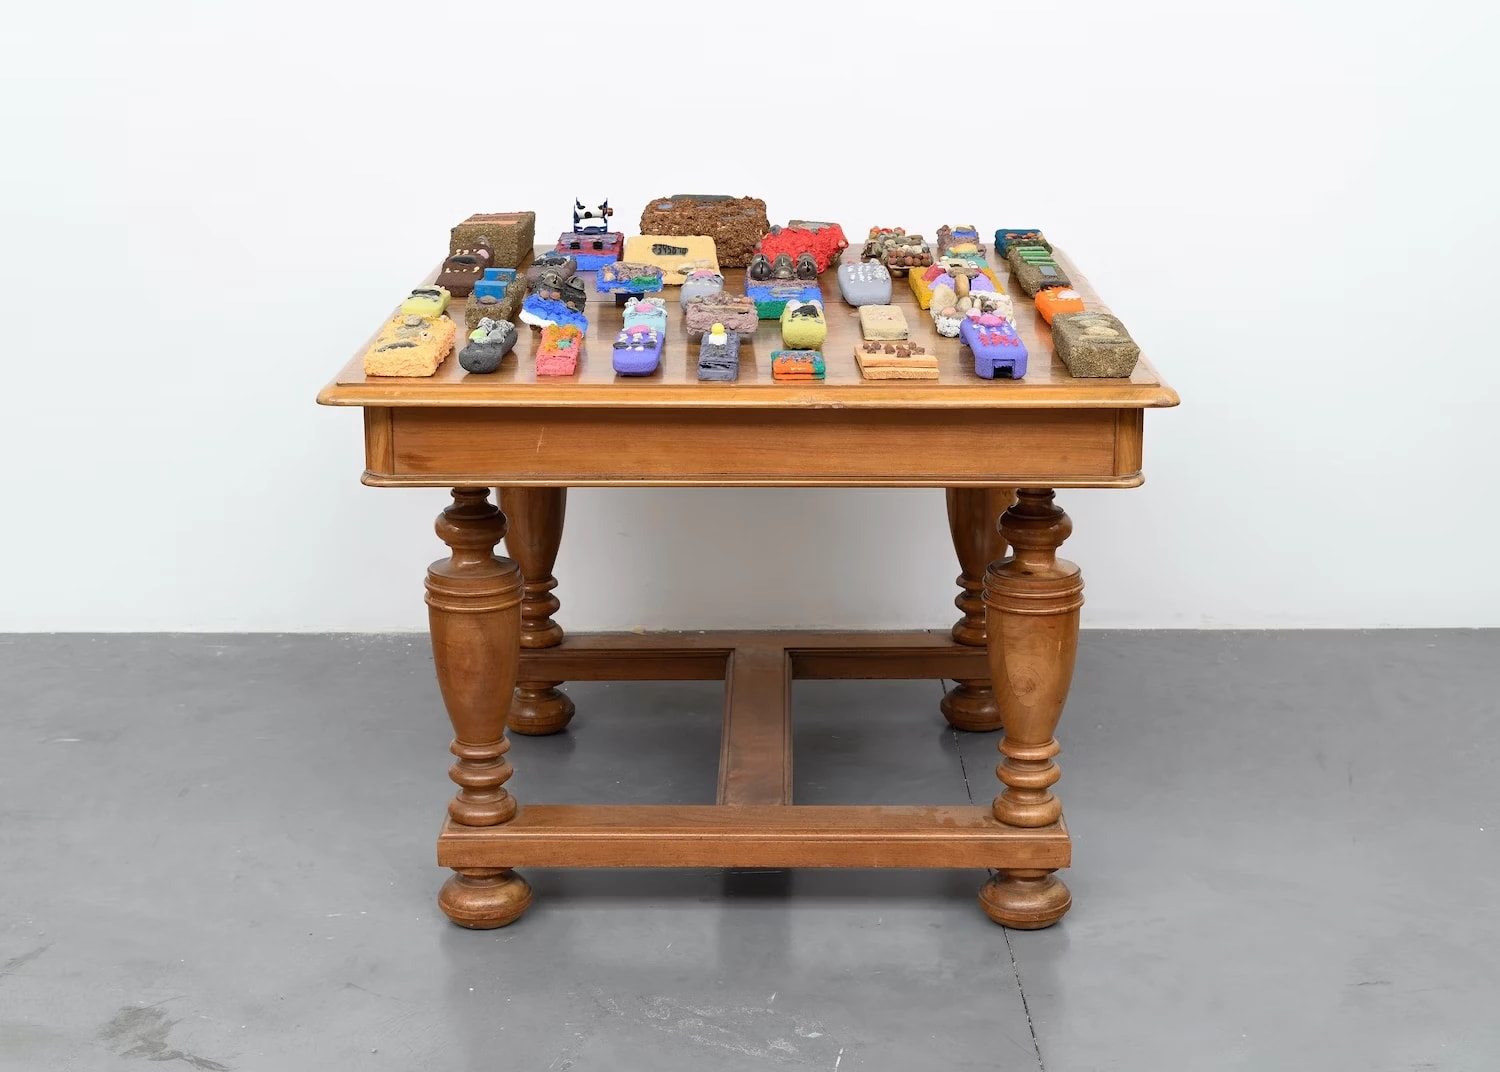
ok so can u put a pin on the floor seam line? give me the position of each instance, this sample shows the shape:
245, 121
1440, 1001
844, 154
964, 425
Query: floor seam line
1025, 1005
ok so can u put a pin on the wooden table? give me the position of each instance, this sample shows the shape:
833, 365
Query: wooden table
999, 448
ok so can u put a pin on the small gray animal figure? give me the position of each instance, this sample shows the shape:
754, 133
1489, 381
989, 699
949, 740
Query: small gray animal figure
807, 266
781, 267
760, 267
488, 345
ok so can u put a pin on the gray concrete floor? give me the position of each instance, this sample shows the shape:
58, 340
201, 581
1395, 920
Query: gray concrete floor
217, 852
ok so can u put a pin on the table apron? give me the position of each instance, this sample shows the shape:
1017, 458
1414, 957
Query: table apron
458, 447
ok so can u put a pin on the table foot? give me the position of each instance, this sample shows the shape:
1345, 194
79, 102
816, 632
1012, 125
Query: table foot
539, 709
484, 898
971, 706
1025, 900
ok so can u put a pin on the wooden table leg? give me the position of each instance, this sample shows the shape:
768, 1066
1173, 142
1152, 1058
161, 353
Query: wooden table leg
474, 609
536, 526
1033, 599
974, 521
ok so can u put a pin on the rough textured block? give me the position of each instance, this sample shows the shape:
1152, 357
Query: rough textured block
797, 365
410, 345
735, 224
1035, 270
509, 236
865, 283
675, 255
883, 322
1094, 345
803, 326
557, 352
895, 361
736, 312
497, 299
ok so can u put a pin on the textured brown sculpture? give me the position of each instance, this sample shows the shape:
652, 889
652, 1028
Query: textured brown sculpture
735, 224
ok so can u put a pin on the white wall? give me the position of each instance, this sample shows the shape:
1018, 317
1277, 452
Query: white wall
1291, 205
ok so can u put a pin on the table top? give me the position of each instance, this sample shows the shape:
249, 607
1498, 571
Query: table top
1047, 383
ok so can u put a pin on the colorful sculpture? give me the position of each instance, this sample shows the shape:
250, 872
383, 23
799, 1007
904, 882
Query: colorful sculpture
488, 345
719, 354
997, 348
410, 345
637, 350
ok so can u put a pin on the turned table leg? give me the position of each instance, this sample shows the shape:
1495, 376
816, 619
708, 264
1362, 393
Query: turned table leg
1033, 599
536, 525
473, 605
974, 521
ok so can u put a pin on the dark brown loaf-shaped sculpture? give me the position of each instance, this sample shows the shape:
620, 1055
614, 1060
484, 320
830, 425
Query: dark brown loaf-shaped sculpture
735, 224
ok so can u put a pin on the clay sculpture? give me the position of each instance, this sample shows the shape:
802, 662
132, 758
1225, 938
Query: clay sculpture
949, 311
410, 345
637, 350
962, 241
737, 312
1094, 345
557, 352
823, 242
507, 235
624, 278
865, 283
564, 263
699, 283
797, 365
497, 295
428, 302
885, 323
735, 224
1006, 237
955, 273
488, 345
650, 312
895, 361
1056, 300
591, 251
1035, 269
719, 354
462, 270
555, 299
998, 350
897, 250
803, 326
675, 255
